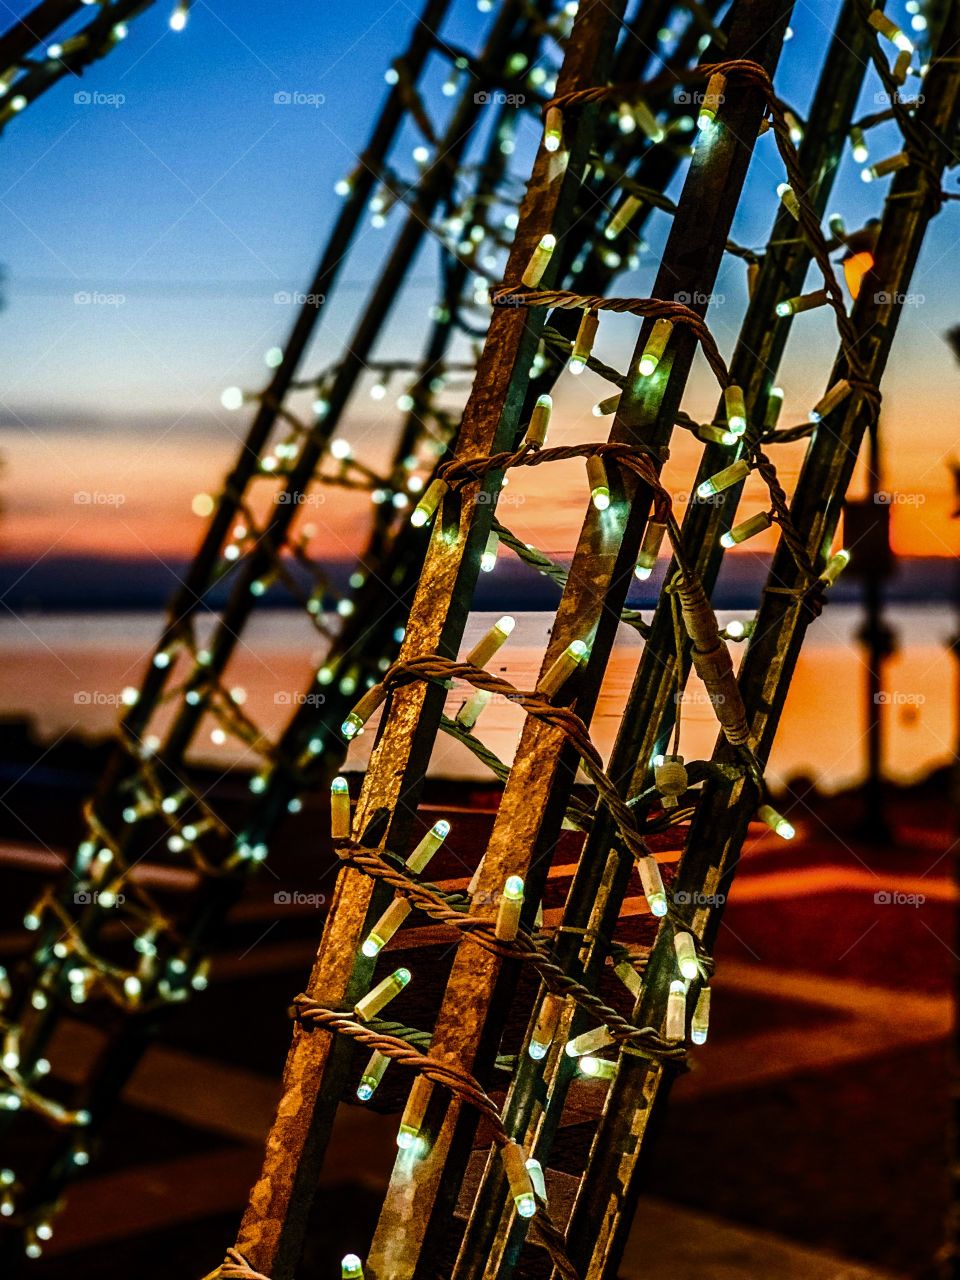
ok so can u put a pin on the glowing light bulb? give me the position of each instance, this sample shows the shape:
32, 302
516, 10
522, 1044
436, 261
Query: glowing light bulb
411, 1122
372, 1075
604, 407
382, 994
539, 261
425, 508
588, 1042
553, 129
686, 951
469, 713
560, 671
488, 561
583, 345
888, 28
712, 98
830, 400
747, 529
858, 145
788, 198
539, 422
428, 846
340, 449
890, 165
649, 549
597, 1068
351, 1268
623, 216
364, 709
386, 927
340, 819
655, 346
776, 822
731, 475
487, 646
597, 480
676, 1023
546, 1027
700, 1022
518, 1177
508, 911
716, 435
835, 566
178, 19
803, 302
771, 414
735, 409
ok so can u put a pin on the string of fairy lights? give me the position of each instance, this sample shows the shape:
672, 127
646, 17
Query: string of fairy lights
167, 968
40, 63
746, 437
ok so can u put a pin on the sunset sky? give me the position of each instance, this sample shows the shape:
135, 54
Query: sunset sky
190, 204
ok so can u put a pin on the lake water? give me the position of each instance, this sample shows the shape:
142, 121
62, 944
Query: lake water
66, 672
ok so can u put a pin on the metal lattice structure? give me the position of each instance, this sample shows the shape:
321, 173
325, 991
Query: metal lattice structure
148, 803
629, 512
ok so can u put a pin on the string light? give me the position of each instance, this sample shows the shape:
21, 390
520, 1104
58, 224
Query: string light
178, 19
351, 1268
562, 669
890, 165
539, 261
622, 217
518, 1176
428, 846
830, 400
469, 713
588, 1042
835, 566
731, 475
597, 480
788, 198
411, 1122
747, 529
340, 818
887, 27
539, 422
738, 629
425, 508
628, 974
858, 145
716, 435
655, 346
647, 121
686, 951
652, 882
676, 1024
736, 410
488, 561
803, 302
597, 1068
535, 1170
553, 129
488, 645
582, 347
364, 709
382, 994
776, 822
712, 98
653, 537
604, 407
508, 911
546, 1026
771, 415
386, 926
373, 1073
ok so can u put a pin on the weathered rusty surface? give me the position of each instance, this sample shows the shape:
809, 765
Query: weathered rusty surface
621, 1154
271, 1233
